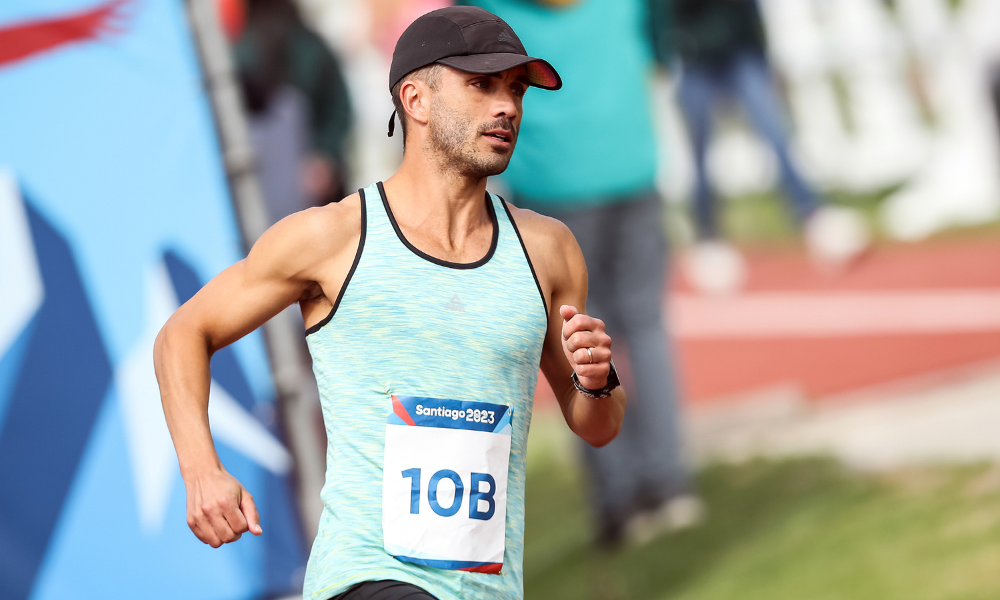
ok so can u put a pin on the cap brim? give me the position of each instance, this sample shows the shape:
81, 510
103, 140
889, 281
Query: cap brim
540, 72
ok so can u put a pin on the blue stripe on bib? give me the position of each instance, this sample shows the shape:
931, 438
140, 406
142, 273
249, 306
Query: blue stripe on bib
417, 411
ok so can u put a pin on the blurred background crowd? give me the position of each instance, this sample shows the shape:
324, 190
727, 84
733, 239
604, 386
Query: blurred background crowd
789, 211
896, 100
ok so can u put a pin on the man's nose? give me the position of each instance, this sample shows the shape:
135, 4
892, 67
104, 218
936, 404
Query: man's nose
506, 105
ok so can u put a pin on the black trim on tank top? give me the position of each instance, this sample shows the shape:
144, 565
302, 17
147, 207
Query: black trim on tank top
513, 224
444, 263
350, 274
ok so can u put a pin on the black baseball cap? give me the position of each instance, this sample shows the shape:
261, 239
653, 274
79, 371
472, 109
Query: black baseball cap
470, 39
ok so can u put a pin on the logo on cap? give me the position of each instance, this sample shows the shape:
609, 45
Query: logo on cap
505, 37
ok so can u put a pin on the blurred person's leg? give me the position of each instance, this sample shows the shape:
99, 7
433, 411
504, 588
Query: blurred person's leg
753, 83
834, 235
613, 474
626, 251
697, 95
639, 277
712, 266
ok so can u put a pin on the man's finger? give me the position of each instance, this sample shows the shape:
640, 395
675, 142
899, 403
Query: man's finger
201, 528
222, 530
579, 322
234, 517
582, 339
250, 513
582, 324
218, 523
204, 532
593, 376
582, 358
567, 311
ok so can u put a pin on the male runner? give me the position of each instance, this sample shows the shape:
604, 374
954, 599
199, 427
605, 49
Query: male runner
430, 305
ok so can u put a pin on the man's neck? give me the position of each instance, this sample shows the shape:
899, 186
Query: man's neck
442, 206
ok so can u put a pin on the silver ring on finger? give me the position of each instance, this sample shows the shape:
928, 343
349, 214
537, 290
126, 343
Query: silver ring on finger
591, 355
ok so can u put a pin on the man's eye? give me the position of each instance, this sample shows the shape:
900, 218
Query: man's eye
519, 91
481, 84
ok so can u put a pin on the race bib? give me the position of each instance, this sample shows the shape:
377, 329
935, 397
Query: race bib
444, 483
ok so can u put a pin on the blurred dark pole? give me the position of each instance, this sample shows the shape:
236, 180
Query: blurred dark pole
282, 333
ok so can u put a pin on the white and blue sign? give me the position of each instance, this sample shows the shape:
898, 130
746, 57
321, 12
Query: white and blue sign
444, 482
114, 210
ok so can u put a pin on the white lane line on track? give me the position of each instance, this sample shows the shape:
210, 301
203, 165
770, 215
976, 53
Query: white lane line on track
834, 314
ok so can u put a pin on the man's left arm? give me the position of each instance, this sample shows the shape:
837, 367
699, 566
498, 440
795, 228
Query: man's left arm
571, 332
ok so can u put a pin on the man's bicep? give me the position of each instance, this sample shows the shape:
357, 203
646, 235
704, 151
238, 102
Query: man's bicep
288, 259
236, 302
562, 276
567, 273
244, 296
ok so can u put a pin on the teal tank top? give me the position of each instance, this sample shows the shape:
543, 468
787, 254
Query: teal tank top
408, 323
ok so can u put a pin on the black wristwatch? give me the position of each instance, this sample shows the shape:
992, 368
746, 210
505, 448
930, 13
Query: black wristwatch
605, 391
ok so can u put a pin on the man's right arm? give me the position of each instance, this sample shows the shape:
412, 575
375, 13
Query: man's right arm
562, 277
314, 246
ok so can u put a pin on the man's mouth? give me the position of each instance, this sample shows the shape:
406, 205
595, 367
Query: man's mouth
499, 135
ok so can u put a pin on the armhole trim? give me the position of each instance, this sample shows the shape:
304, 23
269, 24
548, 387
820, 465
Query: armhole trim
541, 294
354, 267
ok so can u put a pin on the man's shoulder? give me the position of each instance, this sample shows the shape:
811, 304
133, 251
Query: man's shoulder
548, 241
540, 228
324, 225
314, 234
553, 252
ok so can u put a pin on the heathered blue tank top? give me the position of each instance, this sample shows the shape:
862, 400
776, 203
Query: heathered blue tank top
408, 323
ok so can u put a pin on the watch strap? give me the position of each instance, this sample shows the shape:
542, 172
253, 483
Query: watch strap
604, 392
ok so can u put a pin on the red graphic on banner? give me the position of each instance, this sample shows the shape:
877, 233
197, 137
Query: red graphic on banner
23, 40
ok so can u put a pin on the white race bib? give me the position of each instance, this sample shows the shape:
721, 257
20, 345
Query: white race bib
444, 483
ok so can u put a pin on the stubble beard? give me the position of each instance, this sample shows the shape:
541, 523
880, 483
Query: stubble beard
455, 139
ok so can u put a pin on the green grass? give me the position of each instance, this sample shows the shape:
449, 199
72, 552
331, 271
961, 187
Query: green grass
766, 219
797, 530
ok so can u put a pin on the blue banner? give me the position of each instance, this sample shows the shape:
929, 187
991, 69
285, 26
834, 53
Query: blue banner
113, 211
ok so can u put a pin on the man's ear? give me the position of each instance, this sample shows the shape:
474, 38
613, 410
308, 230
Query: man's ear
415, 97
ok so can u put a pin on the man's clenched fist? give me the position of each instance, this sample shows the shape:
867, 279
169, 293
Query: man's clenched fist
580, 333
219, 509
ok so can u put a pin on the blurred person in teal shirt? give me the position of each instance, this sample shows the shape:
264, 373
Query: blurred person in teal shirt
588, 158
596, 146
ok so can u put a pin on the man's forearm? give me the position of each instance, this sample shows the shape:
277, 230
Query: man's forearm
596, 420
182, 361
219, 508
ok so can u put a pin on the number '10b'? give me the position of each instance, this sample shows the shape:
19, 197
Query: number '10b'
475, 494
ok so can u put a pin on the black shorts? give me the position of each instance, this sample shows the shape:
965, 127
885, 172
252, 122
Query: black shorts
384, 590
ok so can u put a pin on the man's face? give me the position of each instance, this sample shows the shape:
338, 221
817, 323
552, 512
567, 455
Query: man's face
474, 119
